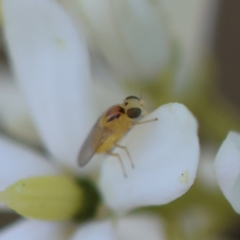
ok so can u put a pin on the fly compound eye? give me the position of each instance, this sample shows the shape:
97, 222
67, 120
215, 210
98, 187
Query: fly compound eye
134, 112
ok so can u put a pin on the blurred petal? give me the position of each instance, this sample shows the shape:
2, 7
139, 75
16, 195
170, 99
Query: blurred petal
4, 208
1, 18
19, 162
14, 114
165, 153
236, 195
206, 173
227, 168
36, 230
131, 34
191, 23
51, 64
108, 98
141, 227
196, 221
136, 36
135, 227
95, 231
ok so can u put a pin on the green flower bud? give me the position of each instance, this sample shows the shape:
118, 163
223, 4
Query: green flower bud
44, 197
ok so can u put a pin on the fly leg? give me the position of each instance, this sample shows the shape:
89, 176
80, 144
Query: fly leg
150, 120
120, 160
126, 150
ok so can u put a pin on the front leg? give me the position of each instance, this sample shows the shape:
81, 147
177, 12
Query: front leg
150, 120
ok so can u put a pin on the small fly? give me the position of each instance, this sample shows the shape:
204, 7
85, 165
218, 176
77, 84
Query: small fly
110, 128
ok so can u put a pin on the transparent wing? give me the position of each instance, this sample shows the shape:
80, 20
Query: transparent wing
95, 138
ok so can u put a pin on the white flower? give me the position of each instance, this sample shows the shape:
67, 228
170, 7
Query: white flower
227, 168
51, 63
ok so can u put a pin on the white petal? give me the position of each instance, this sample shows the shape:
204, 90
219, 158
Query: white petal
131, 34
227, 168
36, 230
95, 231
165, 154
51, 64
19, 162
14, 115
141, 227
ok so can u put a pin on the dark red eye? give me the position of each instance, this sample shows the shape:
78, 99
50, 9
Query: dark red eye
134, 112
